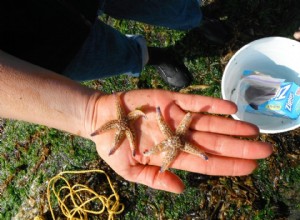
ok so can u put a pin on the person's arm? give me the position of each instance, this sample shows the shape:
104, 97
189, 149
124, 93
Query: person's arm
33, 94
36, 95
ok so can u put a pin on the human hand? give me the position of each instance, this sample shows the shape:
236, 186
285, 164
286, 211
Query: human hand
228, 155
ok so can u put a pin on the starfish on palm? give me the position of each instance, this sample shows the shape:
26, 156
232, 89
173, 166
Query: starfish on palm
123, 125
175, 142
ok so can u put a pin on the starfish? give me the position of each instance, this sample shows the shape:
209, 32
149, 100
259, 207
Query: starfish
123, 125
175, 141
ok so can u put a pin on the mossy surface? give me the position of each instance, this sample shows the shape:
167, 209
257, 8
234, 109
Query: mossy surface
30, 154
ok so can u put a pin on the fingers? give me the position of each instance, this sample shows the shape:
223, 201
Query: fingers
297, 35
227, 146
196, 103
152, 177
222, 125
232, 157
226, 155
215, 165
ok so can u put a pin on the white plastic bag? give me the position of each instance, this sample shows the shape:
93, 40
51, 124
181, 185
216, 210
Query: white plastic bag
256, 88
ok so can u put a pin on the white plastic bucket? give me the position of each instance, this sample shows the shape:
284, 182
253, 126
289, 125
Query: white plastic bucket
276, 56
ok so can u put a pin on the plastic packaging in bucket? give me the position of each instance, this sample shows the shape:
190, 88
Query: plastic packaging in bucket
276, 57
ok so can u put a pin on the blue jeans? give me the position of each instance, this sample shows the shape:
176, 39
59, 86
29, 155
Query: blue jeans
107, 52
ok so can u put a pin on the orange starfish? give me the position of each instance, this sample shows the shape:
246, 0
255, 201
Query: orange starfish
123, 127
175, 141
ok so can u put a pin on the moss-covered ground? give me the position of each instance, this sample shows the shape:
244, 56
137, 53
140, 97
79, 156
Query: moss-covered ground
30, 154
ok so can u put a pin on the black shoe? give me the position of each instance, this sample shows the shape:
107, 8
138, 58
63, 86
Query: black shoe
215, 31
173, 72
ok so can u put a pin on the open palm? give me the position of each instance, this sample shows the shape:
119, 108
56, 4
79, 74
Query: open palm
218, 136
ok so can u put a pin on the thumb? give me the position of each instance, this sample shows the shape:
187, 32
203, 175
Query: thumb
152, 177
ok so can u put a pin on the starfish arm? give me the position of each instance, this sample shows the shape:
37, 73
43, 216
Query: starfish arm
163, 126
132, 139
120, 112
119, 136
107, 126
133, 115
189, 148
168, 159
184, 124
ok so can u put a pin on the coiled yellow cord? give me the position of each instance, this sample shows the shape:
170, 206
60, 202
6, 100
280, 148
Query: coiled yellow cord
75, 192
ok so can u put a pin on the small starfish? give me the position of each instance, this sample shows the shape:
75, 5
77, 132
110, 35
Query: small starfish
123, 126
175, 142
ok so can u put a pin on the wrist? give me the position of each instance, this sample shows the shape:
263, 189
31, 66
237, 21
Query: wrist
99, 108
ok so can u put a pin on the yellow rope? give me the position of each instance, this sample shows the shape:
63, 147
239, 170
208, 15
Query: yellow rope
75, 195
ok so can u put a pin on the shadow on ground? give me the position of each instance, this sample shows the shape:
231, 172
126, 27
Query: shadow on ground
249, 20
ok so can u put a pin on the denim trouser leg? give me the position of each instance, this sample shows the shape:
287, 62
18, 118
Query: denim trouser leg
107, 52
174, 14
